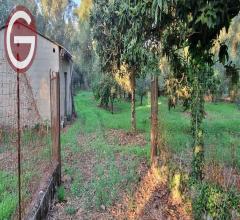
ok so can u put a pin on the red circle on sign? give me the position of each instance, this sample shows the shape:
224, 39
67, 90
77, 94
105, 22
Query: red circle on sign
20, 39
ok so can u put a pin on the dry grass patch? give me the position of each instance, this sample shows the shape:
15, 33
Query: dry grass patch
123, 138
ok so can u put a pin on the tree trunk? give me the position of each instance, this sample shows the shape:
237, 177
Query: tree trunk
197, 113
154, 118
233, 93
112, 100
141, 103
119, 92
133, 104
129, 97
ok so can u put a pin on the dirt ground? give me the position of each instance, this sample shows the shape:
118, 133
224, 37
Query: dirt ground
124, 138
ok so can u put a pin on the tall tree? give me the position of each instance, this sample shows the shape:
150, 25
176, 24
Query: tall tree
118, 41
135, 18
154, 117
84, 9
117, 27
202, 21
150, 42
56, 20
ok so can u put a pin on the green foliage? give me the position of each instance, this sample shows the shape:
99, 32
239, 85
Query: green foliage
205, 17
84, 9
85, 59
202, 22
116, 27
223, 53
107, 37
61, 194
213, 201
55, 20
198, 114
208, 14
142, 87
105, 90
158, 8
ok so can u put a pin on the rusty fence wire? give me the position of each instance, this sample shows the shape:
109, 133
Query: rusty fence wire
34, 151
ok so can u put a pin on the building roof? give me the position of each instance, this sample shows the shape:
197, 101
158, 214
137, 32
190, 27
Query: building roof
66, 54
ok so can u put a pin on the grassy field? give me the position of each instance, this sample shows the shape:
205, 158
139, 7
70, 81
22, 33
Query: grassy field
222, 124
222, 131
87, 137
85, 147
101, 171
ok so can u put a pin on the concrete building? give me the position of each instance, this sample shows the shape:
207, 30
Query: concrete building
35, 84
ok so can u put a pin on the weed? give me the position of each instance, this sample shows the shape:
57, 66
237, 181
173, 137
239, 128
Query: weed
70, 210
61, 194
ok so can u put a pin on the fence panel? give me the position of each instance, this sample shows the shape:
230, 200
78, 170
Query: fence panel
9, 190
36, 153
27, 161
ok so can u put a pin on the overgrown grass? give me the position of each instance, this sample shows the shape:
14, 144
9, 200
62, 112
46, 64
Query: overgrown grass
31, 140
222, 132
94, 118
8, 194
108, 179
221, 125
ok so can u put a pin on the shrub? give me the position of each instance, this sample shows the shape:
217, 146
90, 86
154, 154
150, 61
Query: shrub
105, 90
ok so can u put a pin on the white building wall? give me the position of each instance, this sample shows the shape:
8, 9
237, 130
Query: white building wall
46, 60
38, 76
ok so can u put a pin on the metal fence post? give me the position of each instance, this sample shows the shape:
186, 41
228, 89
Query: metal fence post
55, 121
19, 146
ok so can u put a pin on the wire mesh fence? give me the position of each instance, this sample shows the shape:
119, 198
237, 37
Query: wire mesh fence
8, 142
26, 163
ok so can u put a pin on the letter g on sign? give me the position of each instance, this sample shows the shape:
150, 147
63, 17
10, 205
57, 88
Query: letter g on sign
20, 39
